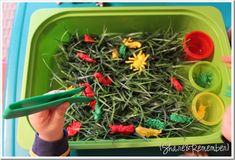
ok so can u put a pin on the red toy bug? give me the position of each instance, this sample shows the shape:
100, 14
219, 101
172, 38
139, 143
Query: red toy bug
85, 57
88, 39
122, 129
73, 128
89, 93
106, 81
177, 85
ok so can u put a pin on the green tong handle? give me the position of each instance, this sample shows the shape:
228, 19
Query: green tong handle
39, 103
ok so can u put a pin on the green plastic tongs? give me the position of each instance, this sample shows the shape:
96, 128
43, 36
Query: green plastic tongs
38, 103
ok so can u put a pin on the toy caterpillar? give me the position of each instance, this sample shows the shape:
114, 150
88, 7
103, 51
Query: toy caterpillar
180, 118
154, 123
128, 129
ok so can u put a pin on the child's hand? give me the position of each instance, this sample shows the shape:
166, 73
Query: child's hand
226, 124
227, 60
49, 123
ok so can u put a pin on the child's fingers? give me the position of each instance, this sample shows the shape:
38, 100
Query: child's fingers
60, 111
226, 59
39, 117
226, 124
54, 91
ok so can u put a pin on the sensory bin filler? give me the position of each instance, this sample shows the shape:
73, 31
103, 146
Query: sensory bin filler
152, 75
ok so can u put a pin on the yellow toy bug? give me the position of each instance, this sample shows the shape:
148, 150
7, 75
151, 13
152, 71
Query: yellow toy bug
130, 44
147, 132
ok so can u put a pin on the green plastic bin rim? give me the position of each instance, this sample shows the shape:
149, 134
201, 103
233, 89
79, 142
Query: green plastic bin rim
48, 16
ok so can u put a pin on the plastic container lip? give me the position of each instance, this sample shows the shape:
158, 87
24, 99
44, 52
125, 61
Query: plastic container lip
216, 73
198, 45
219, 103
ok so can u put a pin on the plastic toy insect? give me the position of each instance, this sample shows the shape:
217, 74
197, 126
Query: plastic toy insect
122, 51
154, 123
88, 39
115, 54
69, 88
122, 129
147, 132
89, 93
85, 57
131, 44
138, 62
97, 112
73, 128
180, 118
201, 111
204, 79
176, 84
106, 81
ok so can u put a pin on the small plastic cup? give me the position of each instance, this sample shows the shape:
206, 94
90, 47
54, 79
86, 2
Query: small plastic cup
198, 46
212, 74
214, 108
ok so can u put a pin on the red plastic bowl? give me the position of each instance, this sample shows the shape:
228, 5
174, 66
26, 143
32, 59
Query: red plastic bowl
198, 46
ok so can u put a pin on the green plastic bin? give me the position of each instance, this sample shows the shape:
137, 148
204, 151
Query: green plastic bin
48, 25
